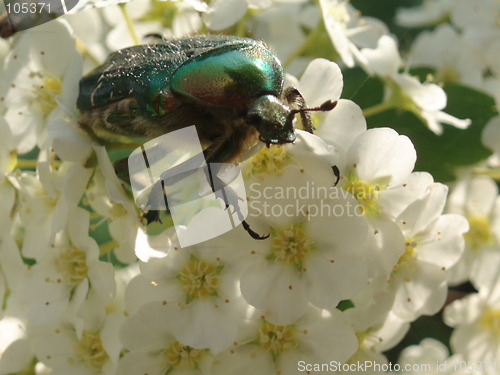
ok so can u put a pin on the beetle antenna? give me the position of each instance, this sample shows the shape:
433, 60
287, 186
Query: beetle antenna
326, 106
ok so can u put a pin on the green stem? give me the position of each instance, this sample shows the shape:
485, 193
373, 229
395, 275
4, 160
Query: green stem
85, 52
106, 247
130, 25
377, 108
26, 164
303, 45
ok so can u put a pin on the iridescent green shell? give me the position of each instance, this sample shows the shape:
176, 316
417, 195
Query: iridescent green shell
223, 71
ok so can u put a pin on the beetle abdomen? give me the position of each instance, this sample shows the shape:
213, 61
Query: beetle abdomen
114, 121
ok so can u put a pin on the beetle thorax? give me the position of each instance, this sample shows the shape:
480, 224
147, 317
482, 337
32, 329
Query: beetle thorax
272, 119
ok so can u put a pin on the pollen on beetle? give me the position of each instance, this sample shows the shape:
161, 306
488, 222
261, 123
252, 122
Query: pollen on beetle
291, 245
72, 264
365, 193
267, 161
479, 233
276, 339
199, 278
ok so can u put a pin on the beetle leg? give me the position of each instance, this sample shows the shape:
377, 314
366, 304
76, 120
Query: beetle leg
252, 233
122, 112
295, 99
230, 198
163, 103
336, 172
117, 118
157, 197
217, 154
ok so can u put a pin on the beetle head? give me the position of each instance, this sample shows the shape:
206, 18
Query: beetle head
272, 119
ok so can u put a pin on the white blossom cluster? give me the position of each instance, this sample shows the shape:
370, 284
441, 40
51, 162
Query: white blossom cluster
464, 48
347, 266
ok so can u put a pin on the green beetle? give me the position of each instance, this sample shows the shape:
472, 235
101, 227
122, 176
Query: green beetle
230, 88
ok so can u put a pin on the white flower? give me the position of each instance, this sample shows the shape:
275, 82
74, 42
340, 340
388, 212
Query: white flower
347, 29
321, 81
86, 4
221, 14
68, 275
109, 199
425, 100
434, 243
342, 125
12, 268
123, 277
378, 155
476, 319
302, 167
431, 357
4, 50
152, 17
87, 349
304, 263
120, 37
377, 328
319, 337
152, 348
40, 79
45, 202
282, 27
429, 13
478, 200
8, 158
68, 141
15, 347
479, 14
315, 250
377, 172
89, 28
137, 9
200, 283
446, 50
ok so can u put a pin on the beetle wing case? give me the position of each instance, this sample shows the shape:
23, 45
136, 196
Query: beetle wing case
141, 72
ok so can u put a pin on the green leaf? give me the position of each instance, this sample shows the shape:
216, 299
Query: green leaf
364, 90
345, 305
423, 327
439, 155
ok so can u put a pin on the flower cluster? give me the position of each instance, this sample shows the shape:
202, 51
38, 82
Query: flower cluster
464, 47
356, 243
